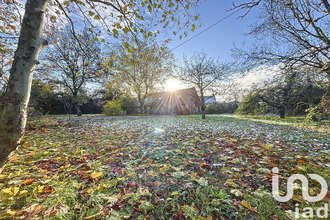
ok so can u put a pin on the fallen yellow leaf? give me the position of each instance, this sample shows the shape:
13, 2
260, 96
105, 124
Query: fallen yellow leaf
38, 189
205, 218
96, 175
246, 204
12, 191
23, 193
10, 212
174, 193
89, 190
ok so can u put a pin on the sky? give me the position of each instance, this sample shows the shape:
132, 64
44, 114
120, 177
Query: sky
218, 40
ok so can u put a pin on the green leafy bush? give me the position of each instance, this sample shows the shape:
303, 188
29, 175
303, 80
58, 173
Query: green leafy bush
221, 108
32, 112
316, 114
251, 105
113, 107
128, 104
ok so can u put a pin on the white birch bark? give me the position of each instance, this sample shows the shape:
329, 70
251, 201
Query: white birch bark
13, 106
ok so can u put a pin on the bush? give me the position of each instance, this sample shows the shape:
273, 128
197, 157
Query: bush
221, 108
113, 108
251, 105
33, 113
128, 104
316, 114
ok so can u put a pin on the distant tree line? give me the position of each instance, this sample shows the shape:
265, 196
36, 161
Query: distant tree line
221, 107
293, 34
294, 93
46, 100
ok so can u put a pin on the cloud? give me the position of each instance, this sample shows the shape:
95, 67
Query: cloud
243, 83
256, 76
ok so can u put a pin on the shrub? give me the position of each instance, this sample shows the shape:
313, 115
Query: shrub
33, 113
113, 108
221, 108
251, 105
128, 104
316, 114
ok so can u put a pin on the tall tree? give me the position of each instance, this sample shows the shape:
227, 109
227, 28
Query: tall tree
144, 69
281, 94
13, 108
75, 63
10, 20
126, 17
205, 73
292, 92
293, 32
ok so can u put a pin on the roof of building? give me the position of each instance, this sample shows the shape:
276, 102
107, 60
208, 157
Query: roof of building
183, 101
185, 95
209, 99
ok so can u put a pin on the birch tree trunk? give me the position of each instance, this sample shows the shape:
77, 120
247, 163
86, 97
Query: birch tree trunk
13, 106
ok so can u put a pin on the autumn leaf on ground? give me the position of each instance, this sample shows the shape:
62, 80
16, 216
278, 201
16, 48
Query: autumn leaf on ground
123, 169
246, 204
237, 192
95, 175
38, 189
56, 210
28, 181
7, 213
93, 213
12, 191
231, 183
13, 158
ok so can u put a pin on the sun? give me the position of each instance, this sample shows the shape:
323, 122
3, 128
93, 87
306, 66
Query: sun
172, 84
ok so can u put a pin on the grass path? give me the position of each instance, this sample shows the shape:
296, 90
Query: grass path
159, 168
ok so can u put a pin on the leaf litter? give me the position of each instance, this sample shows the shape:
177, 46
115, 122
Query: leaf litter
157, 168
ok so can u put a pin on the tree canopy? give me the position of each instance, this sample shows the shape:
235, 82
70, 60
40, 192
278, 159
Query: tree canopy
205, 73
291, 32
116, 17
292, 93
142, 70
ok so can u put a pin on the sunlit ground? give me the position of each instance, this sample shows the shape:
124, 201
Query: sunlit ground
158, 168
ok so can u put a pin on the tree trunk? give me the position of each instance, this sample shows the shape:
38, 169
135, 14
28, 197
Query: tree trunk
282, 112
203, 107
13, 106
141, 102
76, 102
203, 112
142, 108
78, 110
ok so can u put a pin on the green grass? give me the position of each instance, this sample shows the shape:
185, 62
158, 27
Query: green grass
292, 121
71, 115
158, 168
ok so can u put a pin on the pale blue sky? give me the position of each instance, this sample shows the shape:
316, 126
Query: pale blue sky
217, 41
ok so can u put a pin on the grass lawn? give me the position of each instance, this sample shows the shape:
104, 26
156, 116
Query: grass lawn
160, 168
